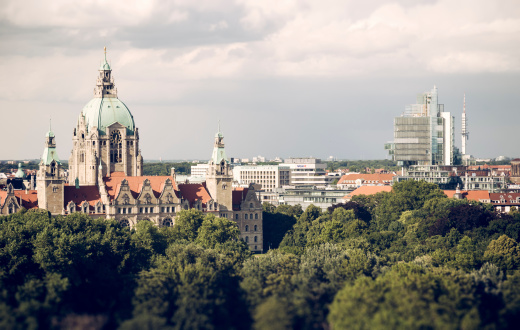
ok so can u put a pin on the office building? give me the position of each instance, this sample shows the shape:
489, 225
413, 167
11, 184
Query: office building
424, 133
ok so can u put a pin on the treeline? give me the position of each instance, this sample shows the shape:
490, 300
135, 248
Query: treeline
411, 258
165, 168
362, 165
7, 168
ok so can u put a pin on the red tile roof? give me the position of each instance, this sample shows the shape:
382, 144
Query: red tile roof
194, 192
3, 195
135, 182
472, 195
508, 198
81, 194
27, 199
368, 190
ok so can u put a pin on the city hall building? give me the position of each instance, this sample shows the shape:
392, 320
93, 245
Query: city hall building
106, 175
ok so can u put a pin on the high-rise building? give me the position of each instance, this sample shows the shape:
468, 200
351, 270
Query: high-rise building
424, 133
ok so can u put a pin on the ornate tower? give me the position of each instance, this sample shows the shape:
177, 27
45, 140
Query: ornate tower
49, 180
105, 135
219, 178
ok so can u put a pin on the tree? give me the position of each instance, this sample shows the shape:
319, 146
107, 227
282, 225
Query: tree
215, 231
190, 288
503, 252
411, 296
187, 224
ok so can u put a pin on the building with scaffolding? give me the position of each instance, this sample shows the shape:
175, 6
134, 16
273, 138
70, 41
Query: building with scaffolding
424, 133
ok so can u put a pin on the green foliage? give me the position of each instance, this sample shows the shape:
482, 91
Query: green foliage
165, 168
187, 224
215, 231
190, 288
411, 296
503, 252
275, 226
411, 258
361, 165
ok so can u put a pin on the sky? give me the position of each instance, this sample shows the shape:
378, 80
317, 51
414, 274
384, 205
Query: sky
284, 78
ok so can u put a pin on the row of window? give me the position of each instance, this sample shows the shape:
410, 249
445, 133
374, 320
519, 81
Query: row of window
255, 239
255, 228
165, 223
247, 216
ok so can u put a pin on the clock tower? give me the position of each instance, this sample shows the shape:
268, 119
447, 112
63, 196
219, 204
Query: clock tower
219, 178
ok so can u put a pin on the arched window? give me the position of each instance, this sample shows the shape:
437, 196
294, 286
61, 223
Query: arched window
245, 217
12, 208
256, 239
72, 207
53, 168
256, 216
236, 216
116, 148
256, 227
167, 222
251, 205
85, 208
247, 239
126, 199
99, 208
251, 216
247, 228
124, 223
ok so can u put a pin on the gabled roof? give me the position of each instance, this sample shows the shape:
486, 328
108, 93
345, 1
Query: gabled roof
27, 199
81, 194
510, 198
472, 195
194, 192
135, 183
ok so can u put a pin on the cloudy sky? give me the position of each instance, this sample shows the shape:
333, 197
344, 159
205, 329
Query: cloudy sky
285, 78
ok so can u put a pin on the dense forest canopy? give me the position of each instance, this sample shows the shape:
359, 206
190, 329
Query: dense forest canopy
411, 258
362, 165
165, 168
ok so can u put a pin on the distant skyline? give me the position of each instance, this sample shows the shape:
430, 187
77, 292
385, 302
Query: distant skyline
285, 78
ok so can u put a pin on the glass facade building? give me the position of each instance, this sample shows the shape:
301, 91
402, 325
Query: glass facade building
424, 133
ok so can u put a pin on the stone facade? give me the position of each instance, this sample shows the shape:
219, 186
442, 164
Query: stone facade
105, 137
105, 175
515, 171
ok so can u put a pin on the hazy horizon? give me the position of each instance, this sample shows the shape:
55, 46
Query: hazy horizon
285, 79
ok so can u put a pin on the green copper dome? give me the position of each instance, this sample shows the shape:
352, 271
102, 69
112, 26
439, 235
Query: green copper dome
105, 66
20, 173
103, 112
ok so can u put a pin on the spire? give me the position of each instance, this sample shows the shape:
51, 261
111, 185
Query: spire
105, 83
219, 153
49, 152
